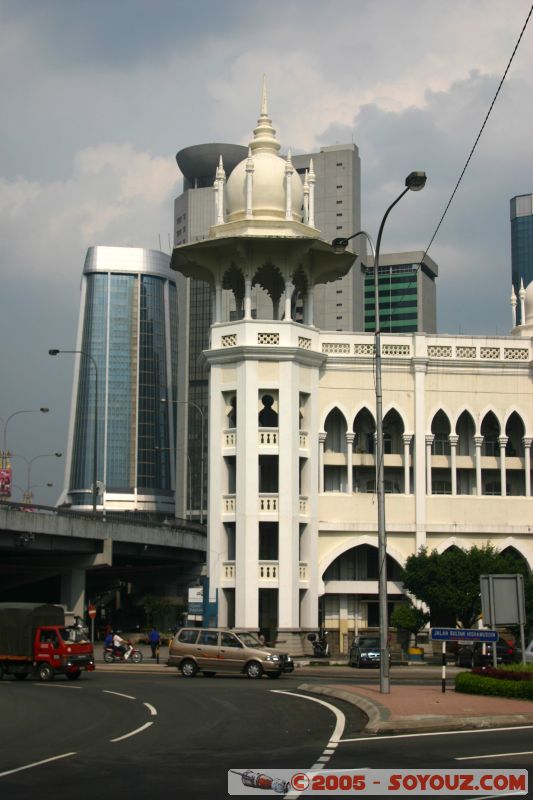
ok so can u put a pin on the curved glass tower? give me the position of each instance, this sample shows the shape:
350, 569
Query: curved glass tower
128, 324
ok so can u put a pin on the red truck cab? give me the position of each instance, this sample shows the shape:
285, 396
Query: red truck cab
59, 650
35, 641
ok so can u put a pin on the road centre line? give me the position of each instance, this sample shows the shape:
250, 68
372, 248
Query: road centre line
119, 694
35, 764
494, 755
379, 738
151, 709
132, 733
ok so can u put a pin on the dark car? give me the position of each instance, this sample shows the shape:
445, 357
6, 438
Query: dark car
365, 652
472, 655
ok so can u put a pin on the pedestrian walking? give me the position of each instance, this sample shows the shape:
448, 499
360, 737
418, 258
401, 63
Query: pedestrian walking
154, 637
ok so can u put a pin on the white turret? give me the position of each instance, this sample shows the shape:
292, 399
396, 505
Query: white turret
312, 180
249, 184
220, 180
289, 169
513, 305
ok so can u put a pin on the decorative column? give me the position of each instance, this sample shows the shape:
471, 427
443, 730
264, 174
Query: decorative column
526, 441
513, 305
289, 169
453, 439
321, 442
247, 297
478, 441
306, 198
429, 442
220, 180
312, 180
406, 438
349, 461
502, 441
289, 286
249, 184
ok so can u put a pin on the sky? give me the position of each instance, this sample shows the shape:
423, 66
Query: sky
97, 98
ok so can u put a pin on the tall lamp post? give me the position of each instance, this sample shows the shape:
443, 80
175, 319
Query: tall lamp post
414, 182
202, 417
29, 462
5, 454
95, 441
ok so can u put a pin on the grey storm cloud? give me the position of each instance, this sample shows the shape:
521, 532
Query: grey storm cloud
99, 96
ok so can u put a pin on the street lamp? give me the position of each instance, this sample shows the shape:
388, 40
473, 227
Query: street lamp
202, 444
415, 181
27, 496
95, 441
30, 461
5, 486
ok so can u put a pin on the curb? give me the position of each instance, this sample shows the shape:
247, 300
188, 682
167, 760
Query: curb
379, 721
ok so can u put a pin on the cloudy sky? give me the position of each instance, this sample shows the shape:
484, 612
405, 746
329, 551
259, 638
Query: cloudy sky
97, 97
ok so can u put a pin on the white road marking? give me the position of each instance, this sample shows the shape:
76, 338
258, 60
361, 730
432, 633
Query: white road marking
340, 722
495, 755
151, 709
380, 738
340, 718
36, 764
58, 685
132, 733
119, 694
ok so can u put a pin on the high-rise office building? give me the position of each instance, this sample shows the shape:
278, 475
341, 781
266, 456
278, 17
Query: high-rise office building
338, 304
128, 331
407, 294
521, 243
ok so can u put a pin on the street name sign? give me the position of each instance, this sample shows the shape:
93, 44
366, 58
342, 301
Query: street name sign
464, 634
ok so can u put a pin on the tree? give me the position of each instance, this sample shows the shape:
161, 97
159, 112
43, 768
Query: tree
448, 583
409, 618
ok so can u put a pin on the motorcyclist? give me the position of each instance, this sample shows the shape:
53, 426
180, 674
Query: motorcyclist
121, 647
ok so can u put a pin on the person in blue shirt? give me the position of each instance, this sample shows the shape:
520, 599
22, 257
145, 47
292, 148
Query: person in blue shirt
154, 638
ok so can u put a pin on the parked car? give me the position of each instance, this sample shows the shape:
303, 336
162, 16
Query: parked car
365, 652
212, 650
529, 653
472, 655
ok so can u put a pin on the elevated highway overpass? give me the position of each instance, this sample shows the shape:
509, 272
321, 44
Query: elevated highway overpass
59, 556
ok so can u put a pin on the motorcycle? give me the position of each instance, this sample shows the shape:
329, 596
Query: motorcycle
320, 644
113, 656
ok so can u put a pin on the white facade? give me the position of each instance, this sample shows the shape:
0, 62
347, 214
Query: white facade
292, 504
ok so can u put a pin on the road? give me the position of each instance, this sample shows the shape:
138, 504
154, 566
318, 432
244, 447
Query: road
141, 736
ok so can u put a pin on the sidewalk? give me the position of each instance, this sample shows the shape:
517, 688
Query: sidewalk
422, 709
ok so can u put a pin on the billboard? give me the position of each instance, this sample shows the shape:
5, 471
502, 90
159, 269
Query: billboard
5, 481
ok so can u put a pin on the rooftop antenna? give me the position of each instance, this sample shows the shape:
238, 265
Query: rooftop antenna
159, 235
169, 245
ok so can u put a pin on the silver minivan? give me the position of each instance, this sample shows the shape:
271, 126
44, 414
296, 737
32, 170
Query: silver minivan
212, 650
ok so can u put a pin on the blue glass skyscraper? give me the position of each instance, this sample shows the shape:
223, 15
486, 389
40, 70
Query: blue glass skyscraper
128, 324
521, 242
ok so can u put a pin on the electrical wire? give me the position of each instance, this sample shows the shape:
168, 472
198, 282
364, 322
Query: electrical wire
480, 133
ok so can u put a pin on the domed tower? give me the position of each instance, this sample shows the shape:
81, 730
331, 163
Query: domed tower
263, 411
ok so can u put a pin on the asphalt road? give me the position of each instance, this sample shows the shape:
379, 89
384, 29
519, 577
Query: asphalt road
144, 736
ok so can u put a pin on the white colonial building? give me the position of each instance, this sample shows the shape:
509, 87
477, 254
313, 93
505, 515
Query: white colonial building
292, 503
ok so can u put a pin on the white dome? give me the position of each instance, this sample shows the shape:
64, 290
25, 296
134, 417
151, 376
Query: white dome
268, 178
269, 188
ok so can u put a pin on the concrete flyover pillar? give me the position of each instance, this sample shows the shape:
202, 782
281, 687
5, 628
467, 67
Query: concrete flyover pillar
73, 590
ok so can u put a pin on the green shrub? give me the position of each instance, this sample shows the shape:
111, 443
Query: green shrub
470, 683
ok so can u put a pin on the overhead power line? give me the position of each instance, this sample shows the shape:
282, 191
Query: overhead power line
480, 132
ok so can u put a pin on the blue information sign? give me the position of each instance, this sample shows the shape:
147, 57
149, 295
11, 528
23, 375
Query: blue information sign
464, 634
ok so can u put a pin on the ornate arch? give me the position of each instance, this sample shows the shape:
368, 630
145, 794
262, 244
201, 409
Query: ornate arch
357, 541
